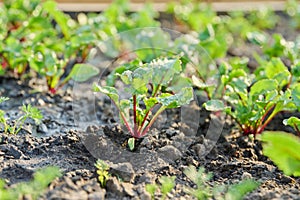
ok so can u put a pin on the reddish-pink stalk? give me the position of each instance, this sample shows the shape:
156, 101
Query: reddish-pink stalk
145, 119
134, 116
151, 122
297, 129
124, 119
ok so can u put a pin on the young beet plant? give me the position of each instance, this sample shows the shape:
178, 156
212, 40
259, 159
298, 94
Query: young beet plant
151, 86
254, 102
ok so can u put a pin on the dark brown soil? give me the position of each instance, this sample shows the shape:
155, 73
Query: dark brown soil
56, 142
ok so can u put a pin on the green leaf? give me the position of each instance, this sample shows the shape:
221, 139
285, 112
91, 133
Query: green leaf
111, 92
276, 70
185, 96
293, 122
151, 188
32, 112
83, 72
102, 171
167, 184
239, 190
150, 102
164, 70
263, 86
131, 144
257, 38
214, 105
121, 69
42, 178
138, 79
2, 99
283, 149
296, 96
60, 18
126, 77
198, 83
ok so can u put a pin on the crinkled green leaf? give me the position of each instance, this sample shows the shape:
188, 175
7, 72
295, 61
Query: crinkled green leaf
179, 82
283, 149
164, 70
293, 122
275, 69
111, 92
257, 38
214, 105
126, 76
263, 86
185, 96
83, 72
131, 66
150, 102
138, 79
197, 82
296, 96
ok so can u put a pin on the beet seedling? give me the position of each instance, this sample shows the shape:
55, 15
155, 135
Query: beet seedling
150, 86
254, 103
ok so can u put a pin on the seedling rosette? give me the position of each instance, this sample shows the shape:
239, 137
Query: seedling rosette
254, 101
152, 86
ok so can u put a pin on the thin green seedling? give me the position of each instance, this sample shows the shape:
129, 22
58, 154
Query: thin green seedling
28, 112
102, 171
166, 185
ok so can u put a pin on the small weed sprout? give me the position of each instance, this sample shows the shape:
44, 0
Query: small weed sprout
33, 189
102, 171
28, 112
204, 191
166, 185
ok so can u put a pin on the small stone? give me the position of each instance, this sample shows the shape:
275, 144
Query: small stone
200, 150
41, 102
146, 178
145, 196
70, 183
169, 153
128, 189
113, 185
42, 128
124, 171
246, 175
170, 132
97, 195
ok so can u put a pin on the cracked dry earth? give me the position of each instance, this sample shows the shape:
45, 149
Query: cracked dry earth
168, 149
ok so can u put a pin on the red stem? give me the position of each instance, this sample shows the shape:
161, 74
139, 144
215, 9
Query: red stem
134, 116
124, 119
151, 122
297, 129
145, 118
